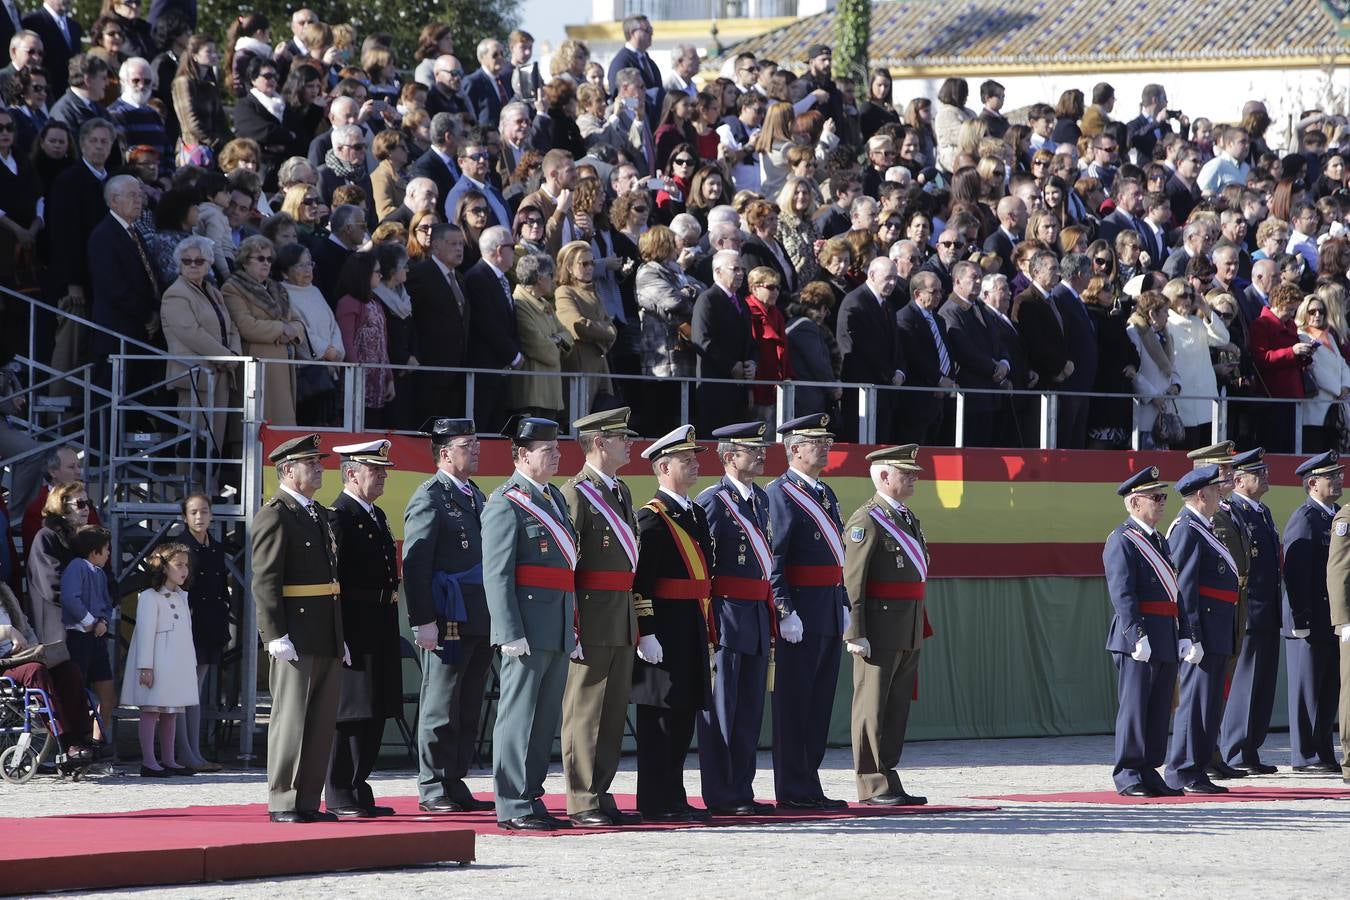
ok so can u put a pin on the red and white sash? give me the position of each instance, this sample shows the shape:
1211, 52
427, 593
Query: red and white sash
1217, 544
913, 549
751, 529
828, 529
561, 536
1161, 567
627, 539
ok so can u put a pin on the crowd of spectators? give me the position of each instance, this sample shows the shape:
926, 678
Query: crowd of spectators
337, 198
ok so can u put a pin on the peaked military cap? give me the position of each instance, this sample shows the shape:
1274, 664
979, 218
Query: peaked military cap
608, 422
1195, 479
812, 425
677, 441
747, 434
905, 457
1251, 460
443, 430
1324, 464
526, 429
372, 453
1219, 454
1141, 482
303, 447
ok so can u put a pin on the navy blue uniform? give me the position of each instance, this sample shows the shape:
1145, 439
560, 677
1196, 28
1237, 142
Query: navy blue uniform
1143, 608
808, 579
1207, 594
728, 732
1312, 662
1251, 697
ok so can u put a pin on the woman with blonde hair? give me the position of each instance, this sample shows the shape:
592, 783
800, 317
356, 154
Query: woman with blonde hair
1192, 331
919, 118
1326, 417
570, 61
665, 298
771, 146
769, 328
1156, 381
303, 203
583, 314
796, 227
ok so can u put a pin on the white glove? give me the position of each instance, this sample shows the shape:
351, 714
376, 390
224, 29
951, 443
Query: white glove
346, 655
427, 635
282, 650
1196, 653
518, 647
1184, 647
649, 649
1143, 650
1301, 632
1344, 632
791, 628
576, 648
848, 619
861, 646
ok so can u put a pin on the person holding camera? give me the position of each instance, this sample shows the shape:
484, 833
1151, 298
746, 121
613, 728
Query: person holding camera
1154, 121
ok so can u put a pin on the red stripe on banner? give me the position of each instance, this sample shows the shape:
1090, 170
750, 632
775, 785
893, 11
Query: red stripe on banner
1014, 560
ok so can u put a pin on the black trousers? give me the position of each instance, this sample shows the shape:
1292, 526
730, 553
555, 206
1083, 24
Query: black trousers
663, 738
356, 746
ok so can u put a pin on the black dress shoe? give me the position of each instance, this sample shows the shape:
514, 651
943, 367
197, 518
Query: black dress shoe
314, 815
147, 772
525, 823
1204, 787
739, 809
555, 821
1166, 790
1320, 768
827, 803
625, 818
473, 804
799, 804
1256, 768
287, 817
1139, 790
896, 798
440, 805
592, 818
694, 814
379, 812
180, 771
1223, 770
351, 812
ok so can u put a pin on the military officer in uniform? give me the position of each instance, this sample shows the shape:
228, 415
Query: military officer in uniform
529, 558
1251, 696
372, 687
1235, 539
443, 587
671, 678
743, 619
813, 612
885, 572
299, 608
600, 677
1207, 593
1142, 638
1310, 641
1338, 595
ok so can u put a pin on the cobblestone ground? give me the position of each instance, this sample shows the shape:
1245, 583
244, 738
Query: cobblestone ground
1022, 849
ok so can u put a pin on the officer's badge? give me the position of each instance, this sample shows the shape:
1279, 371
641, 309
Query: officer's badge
1342, 528
856, 533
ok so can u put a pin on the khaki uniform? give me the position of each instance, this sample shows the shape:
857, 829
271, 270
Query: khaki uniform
1338, 593
595, 701
886, 592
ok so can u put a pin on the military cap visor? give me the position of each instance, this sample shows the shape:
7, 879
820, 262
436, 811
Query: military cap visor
1219, 454
304, 447
1328, 463
442, 430
609, 422
1251, 460
372, 453
677, 441
528, 429
746, 434
905, 457
1145, 481
815, 425
1196, 479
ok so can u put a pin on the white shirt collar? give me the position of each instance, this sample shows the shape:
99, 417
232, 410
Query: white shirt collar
1254, 504
100, 174
745, 490
610, 481
462, 485
120, 221
364, 505
495, 271
445, 270
1146, 528
1068, 287
1330, 510
543, 489
893, 504
304, 501
811, 482
684, 502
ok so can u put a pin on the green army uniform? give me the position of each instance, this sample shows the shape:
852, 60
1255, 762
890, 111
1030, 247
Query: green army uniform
595, 702
1338, 593
297, 595
885, 587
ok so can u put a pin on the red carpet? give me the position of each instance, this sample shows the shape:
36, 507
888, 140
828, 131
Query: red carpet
1234, 795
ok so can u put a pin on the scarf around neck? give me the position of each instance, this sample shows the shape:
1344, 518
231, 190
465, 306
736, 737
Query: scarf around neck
1148, 339
269, 295
396, 301
342, 169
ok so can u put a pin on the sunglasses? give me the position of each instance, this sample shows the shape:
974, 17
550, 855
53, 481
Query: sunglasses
265, 259
192, 261
683, 161
310, 201
1111, 149
1039, 165
1316, 311
641, 209
7, 128
268, 76
481, 156
453, 73
360, 146
38, 88
950, 244
1157, 498
768, 287
1101, 260
531, 222
79, 504
424, 229
477, 210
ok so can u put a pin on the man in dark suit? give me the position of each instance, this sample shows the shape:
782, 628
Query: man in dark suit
87, 77
975, 349
1129, 198
347, 232
348, 166
1146, 129
372, 688
1014, 422
928, 363
1256, 297
447, 90
1040, 324
494, 342
124, 299
722, 338
1183, 193
865, 333
1080, 339
1195, 241
438, 163
1012, 224
419, 196
61, 39
637, 36
440, 315
486, 89
299, 606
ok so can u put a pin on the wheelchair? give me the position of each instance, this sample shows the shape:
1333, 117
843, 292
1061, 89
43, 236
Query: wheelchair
30, 733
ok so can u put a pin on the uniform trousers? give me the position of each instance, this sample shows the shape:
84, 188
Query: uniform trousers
728, 733
805, 677
356, 747
1195, 727
595, 711
450, 704
1144, 692
664, 734
1251, 699
522, 739
300, 735
1314, 690
1345, 709
883, 685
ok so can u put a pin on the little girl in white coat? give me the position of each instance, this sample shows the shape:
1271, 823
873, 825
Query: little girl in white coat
161, 665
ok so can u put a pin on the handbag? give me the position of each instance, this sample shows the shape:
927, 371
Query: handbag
1336, 427
314, 380
49, 655
1167, 428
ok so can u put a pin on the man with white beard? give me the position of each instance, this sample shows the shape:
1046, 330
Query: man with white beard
138, 123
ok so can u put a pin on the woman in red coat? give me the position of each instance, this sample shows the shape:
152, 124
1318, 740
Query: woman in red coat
1280, 359
769, 328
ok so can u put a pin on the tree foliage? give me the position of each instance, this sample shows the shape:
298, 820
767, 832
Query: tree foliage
854, 28
470, 20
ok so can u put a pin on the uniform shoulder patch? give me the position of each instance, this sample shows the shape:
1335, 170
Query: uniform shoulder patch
1341, 527
856, 534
